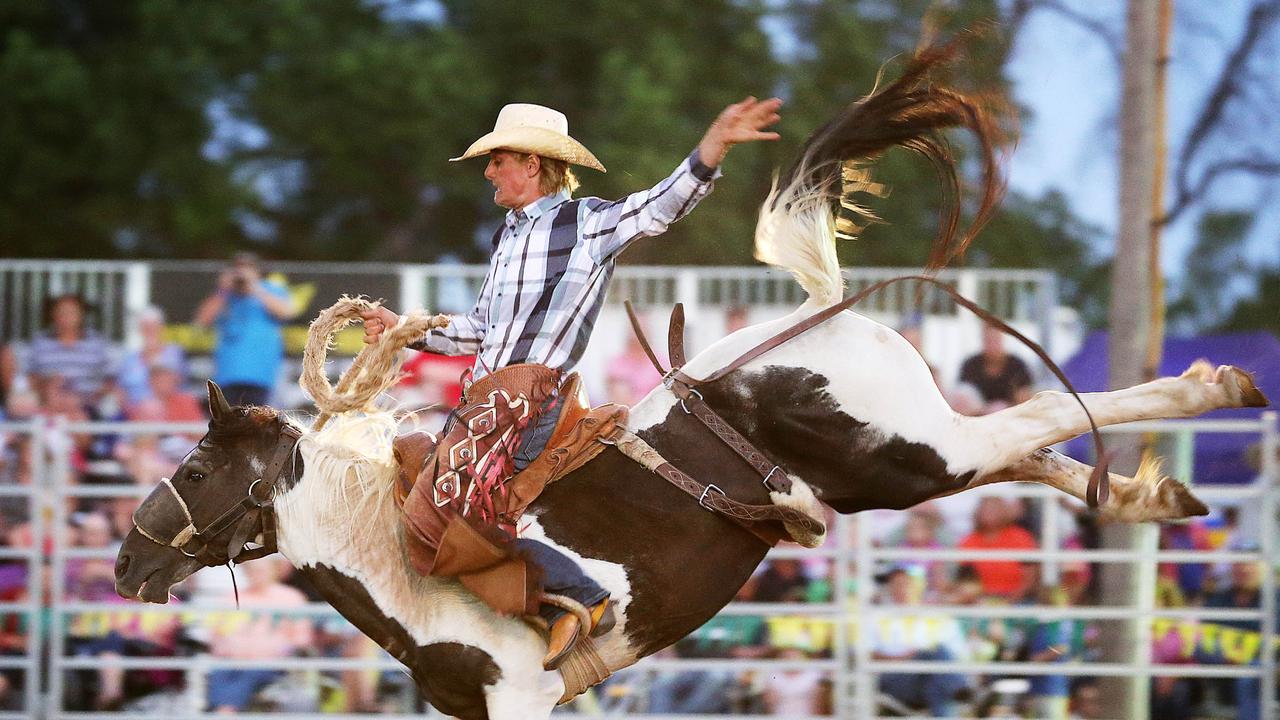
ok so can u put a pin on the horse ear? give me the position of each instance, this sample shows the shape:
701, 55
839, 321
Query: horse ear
219, 408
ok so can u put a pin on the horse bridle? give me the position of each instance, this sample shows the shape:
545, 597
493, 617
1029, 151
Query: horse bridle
685, 387
165, 519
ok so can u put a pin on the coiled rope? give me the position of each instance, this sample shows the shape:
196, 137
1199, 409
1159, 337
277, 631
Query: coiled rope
376, 367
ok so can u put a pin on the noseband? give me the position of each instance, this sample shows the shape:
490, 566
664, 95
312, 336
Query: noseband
165, 519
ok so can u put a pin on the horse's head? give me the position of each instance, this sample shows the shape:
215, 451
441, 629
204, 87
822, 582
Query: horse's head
212, 506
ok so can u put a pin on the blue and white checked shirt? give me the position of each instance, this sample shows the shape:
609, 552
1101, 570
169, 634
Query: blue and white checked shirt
551, 266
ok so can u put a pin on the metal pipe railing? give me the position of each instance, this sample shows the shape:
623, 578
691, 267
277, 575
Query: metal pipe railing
851, 664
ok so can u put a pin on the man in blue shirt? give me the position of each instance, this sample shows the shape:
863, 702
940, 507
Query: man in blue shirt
247, 312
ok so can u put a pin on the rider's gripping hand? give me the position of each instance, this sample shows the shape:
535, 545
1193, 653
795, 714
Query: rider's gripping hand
376, 321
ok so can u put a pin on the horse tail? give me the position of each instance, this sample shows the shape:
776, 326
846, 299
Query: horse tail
813, 202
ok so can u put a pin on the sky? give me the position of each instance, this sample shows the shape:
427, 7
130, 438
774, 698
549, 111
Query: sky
1070, 82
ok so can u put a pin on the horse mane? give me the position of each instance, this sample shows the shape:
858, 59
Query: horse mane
813, 203
351, 469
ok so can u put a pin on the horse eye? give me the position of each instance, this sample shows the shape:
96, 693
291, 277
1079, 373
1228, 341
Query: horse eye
195, 476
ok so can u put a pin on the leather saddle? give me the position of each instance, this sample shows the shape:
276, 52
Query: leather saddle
470, 539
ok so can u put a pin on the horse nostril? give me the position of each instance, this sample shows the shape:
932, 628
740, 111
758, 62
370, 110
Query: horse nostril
122, 565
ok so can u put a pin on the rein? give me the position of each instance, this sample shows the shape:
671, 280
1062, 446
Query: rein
155, 517
685, 387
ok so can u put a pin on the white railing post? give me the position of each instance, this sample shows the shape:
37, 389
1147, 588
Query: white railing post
1269, 482
137, 295
57, 582
38, 502
865, 696
413, 289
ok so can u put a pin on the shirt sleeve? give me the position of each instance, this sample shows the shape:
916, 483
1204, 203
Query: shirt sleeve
608, 227
465, 332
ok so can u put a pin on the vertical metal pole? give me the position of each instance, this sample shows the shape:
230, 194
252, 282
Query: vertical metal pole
61, 472
1147, 543
413, 289
1047, 301
1268, 484
1050, 541
843, 620
866, 693
137, 295
37, 504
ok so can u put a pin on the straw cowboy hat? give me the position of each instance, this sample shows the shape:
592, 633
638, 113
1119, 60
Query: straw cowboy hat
528, 128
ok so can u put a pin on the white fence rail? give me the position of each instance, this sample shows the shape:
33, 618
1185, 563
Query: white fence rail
852, 553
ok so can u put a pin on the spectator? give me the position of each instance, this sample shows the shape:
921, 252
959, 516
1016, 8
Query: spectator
921, 530
247, 311
783, 580
993, 529
77, 354
1086, 700
797, 692
261, 637
1245, 591
962, 398
922, 637
631, 375
168, 402
1001, 379
135, 369
1191, 577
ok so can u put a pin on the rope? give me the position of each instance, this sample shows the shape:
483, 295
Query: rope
375, 368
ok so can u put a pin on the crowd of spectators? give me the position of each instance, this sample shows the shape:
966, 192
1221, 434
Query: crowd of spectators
70, 373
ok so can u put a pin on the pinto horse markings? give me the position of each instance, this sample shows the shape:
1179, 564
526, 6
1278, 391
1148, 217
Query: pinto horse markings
849, 410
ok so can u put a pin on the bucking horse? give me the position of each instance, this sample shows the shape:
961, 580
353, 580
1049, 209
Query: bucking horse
847, 410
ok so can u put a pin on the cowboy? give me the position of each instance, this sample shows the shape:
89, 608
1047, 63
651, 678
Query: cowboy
552, 260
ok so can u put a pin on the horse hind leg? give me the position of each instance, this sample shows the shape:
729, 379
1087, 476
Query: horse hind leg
1147, 496
992, 442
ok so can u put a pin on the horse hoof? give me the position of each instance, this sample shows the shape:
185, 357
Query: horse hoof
1178, 498
1242, 386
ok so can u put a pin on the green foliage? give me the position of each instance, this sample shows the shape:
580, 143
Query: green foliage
1261, 310
320, 130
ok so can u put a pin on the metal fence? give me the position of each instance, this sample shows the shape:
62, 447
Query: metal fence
45, 664
119, 288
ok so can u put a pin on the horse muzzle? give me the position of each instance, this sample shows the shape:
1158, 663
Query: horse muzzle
146, 571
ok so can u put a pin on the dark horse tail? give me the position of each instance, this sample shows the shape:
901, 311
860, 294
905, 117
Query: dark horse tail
911, 112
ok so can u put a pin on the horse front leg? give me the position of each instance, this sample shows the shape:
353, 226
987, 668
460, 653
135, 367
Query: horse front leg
1147, 496
993, 442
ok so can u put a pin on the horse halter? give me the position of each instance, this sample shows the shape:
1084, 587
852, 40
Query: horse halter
165, 519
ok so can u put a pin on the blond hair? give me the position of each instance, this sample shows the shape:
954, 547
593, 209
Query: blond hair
555, 175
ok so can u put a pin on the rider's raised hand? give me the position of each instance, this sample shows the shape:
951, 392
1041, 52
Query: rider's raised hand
740, 122
376, 321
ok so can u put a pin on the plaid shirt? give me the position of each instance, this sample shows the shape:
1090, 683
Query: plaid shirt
551, 265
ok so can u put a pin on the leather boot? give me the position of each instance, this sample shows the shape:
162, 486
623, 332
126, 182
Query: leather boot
567, 630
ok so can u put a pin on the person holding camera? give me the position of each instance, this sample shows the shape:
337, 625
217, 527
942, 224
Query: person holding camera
247, 311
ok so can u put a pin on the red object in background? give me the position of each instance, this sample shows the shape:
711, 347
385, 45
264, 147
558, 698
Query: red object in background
446, 370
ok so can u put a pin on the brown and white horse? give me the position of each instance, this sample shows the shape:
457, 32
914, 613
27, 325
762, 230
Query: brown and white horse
850, 411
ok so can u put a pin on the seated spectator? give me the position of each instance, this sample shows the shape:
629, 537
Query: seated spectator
167, 402
135, 368
1001, 379
1245, 591
1086, 700
78, 354
922, 637
993, 529
631, 375
796, 692
922, 529
783, 580
93, 579
257, 636
432, 383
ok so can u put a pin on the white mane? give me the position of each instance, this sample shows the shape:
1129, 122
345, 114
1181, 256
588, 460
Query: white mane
797, 231
351, 472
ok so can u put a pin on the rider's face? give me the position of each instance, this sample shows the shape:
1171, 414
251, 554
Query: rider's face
514, 177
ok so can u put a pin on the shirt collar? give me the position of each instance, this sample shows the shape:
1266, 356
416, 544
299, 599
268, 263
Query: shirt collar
536, 209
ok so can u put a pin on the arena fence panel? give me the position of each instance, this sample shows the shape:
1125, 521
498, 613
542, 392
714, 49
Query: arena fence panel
853, 554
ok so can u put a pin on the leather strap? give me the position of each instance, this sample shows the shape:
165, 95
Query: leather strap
1099, 487
675, 336
644, 341
773, 476
766, 522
